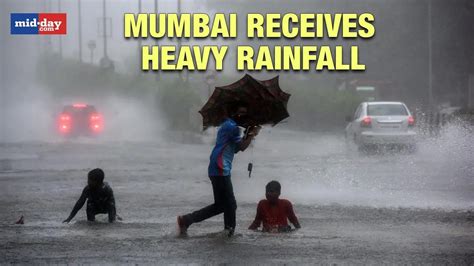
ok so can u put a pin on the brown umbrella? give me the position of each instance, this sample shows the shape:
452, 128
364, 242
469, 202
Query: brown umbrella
265, 100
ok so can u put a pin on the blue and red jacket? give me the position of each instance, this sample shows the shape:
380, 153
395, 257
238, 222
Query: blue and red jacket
227, 144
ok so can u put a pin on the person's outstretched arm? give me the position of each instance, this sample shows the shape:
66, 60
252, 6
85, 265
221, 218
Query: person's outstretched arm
258, 219
80, 202
245, 142
292, 216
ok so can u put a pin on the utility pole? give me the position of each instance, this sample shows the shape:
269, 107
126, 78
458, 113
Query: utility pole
60, 38
139, 41
179, 39
49, 43
179, 14
430, 63
106, 63
105, 27
91, 45
79, 22
157, 77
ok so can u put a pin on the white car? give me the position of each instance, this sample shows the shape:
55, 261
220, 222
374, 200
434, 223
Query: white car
381, 123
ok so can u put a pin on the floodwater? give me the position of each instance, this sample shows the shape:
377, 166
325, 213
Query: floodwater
393, 207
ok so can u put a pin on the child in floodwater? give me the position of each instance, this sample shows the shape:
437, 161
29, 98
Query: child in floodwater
273, 212
99, 195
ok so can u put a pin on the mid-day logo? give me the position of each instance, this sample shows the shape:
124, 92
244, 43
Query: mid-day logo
38, 23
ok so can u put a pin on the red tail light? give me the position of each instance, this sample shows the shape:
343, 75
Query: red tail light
79, 105
64, 128
366, 121
96, 122
64, 123
95, 117
411, 121
65, 117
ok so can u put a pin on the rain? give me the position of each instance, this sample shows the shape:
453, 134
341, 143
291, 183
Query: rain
357, 202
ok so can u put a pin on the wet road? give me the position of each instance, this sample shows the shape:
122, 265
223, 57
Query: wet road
379, 208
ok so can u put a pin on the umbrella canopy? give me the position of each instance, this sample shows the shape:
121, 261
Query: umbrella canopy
265, 101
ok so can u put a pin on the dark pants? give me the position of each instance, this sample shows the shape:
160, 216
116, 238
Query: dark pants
224, 202
93, 209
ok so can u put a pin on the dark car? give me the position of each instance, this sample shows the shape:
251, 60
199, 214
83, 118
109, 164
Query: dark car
80, 120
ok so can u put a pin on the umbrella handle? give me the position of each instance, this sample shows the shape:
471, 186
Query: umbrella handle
249, 168
247, 129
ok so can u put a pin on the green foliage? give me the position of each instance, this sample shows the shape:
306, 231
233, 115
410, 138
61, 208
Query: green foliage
316, 104
66, 77
179, 102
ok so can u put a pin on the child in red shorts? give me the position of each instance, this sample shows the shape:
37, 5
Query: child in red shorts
273, 212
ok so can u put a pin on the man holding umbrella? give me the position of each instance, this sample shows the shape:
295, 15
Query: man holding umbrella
247, 103
228, 142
